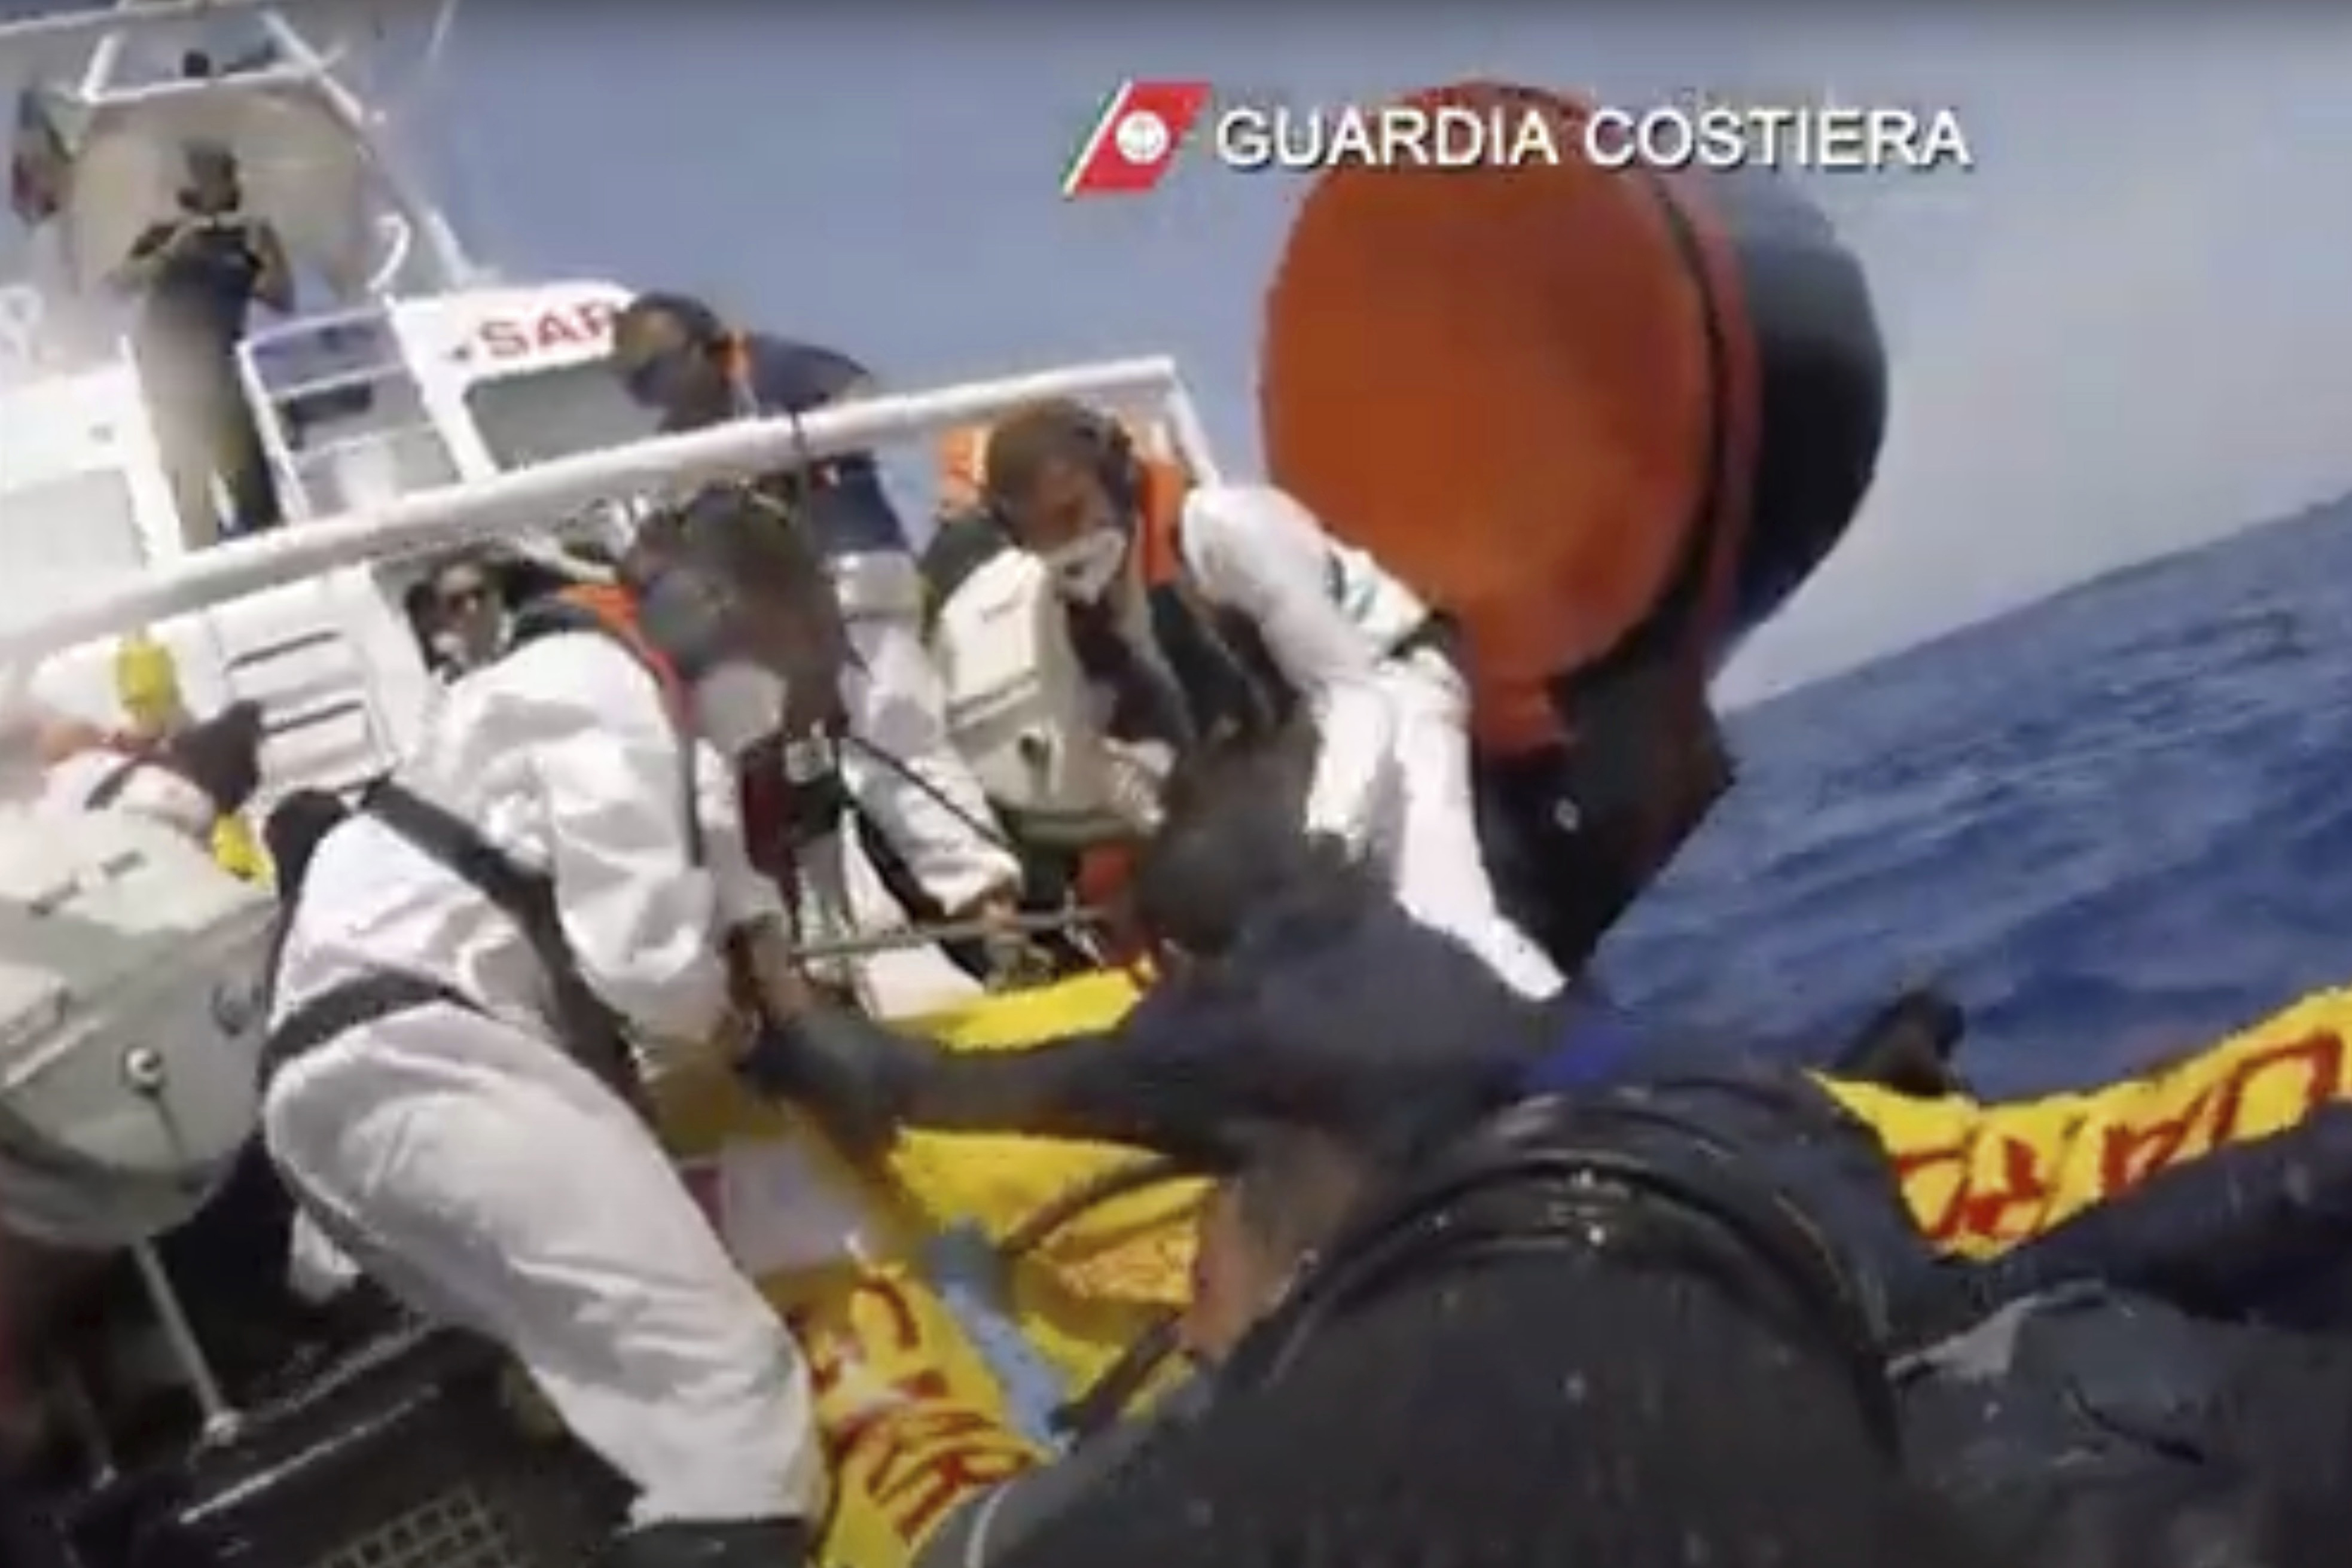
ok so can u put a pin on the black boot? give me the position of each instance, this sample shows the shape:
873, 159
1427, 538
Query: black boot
714, 1543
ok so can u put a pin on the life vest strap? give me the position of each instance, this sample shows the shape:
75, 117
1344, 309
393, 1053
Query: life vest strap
611, 611
111, 788
593, 1032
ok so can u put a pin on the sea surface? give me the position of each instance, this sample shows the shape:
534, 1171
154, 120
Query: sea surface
2113, 825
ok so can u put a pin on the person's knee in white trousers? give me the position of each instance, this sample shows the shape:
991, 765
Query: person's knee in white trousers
1430, 831
482, 1175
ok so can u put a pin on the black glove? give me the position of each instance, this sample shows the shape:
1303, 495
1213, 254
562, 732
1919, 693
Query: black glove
856, 1076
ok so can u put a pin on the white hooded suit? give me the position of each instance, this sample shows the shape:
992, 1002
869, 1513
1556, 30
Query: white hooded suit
473, 1166
1391, 774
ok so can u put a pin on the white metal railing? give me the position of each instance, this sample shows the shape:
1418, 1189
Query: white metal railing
159, 14
399, 237
533, 501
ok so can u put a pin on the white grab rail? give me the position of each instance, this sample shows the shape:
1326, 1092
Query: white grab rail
534, 500
156, 14
400, 236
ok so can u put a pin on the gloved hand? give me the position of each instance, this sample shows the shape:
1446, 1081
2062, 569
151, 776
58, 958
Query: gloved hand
854, 1075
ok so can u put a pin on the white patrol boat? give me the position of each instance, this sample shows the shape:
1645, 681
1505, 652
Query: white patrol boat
407, 375
405, 369
413, 405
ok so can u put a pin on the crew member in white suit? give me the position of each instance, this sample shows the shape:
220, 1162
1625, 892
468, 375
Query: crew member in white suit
1234, 601
676, 356
445, 1096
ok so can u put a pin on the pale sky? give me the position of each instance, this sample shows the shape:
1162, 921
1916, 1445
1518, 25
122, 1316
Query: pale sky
2125, 332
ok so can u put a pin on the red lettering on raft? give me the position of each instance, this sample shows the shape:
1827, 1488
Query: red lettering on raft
934, 1459
2320, 1056
2004, 1190
916, 1448
1940, 1221
2012, 1202
2130, 1156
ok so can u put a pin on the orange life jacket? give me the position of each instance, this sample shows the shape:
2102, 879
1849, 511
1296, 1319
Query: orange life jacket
1230, 683
613, 611
780, 810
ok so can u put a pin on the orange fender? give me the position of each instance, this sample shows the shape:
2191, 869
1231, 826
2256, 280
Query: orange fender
1604, 416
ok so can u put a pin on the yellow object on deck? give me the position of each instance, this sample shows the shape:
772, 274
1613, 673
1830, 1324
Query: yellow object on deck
237, 850
147, 685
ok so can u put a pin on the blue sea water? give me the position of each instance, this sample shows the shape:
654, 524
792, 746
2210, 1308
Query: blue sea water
2112, 825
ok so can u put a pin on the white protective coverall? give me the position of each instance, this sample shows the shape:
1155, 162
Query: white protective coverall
899, 765
1393, 769
473, 1166
146, 789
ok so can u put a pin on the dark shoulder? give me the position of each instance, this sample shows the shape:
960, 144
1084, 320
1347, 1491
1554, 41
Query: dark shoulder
790, 375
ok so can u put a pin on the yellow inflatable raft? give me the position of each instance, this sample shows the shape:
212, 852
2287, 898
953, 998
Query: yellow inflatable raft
917, 1420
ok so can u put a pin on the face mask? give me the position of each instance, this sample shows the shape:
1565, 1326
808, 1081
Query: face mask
737, 706
1084, 568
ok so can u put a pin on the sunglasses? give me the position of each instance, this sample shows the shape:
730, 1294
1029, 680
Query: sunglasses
465, 598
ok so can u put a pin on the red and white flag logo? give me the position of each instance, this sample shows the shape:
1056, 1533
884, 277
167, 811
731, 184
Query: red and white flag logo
1134, 138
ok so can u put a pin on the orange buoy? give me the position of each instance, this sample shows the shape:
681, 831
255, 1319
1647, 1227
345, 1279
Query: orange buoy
1603, 415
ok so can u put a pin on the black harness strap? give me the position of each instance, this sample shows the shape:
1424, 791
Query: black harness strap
1436, 633
1231, 677
550, 617
110, 788
591, 1031
340, 1009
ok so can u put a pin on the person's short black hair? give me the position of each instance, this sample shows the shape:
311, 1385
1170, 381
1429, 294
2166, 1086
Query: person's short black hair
1329, 1010
700, 324
1230, 840
1038, 435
